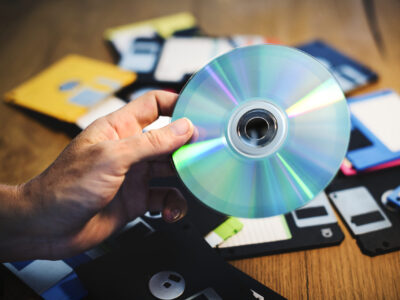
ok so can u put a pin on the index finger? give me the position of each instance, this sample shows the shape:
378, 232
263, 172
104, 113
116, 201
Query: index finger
147, 108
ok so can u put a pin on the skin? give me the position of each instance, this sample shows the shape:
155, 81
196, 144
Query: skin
97, 184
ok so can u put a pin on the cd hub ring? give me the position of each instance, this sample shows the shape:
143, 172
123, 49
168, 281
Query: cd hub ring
257, 128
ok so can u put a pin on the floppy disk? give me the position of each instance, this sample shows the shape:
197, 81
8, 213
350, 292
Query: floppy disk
375, 129
171, 263
362, 204
69, 88
348, 169
142, 55
182, 56
122, 36
312, 226
349, 73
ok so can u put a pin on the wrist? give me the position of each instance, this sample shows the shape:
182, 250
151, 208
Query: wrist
12, 209
18, 213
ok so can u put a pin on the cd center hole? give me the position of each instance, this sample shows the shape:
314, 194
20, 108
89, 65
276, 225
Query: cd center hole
256, 128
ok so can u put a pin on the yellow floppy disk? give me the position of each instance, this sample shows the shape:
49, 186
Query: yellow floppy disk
70, 87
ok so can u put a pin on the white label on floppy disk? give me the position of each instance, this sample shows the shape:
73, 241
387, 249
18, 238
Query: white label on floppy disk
257, 231
381, 115
360, 211
181, 56
317, 212
141, 57
123, 39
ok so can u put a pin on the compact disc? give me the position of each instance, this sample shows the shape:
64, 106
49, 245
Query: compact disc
272, 128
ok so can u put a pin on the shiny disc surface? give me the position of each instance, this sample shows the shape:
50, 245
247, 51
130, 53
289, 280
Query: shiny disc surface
290, 94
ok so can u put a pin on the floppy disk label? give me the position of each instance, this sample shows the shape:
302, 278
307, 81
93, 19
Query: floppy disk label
122, 36
359, 210
376, 128
184, 56
316, 212
380, 115
141, 56
262, 230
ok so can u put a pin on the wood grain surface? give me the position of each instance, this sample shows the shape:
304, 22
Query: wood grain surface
35, 34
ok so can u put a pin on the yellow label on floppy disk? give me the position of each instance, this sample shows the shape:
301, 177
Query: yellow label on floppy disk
71, 86
165, 26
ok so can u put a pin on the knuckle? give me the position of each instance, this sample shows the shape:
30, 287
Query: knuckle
105, 151
154, 139
152, 94
98, 123
97, 151
113, 155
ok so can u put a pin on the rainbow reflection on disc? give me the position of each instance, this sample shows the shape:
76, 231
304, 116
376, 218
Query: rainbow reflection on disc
272, 130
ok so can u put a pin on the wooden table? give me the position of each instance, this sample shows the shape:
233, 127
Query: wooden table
35, 34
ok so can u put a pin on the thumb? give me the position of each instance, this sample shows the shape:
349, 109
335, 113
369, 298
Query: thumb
160, 141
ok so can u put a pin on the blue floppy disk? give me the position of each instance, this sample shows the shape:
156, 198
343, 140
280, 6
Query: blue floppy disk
51, 279
376, 126
349, 73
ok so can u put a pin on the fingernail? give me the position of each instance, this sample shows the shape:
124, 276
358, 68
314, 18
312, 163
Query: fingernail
175, 214
180, 127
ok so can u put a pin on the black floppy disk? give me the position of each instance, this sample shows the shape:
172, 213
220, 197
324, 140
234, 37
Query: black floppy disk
171, 263
361, 203
142, 85
312, 226
349, 73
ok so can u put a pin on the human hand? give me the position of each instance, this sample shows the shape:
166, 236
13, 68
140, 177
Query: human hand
100, 182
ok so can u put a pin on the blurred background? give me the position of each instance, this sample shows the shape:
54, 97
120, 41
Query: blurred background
35, 34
